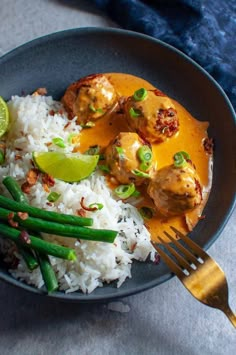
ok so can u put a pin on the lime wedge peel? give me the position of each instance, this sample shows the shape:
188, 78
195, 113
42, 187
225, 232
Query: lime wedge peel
4, 117
68, 167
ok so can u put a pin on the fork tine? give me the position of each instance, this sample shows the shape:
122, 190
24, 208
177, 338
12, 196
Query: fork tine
185, 251
169, 262
183, 263
199, 251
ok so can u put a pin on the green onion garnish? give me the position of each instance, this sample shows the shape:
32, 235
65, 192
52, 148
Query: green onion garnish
53, 197
145, 153
104, 168
120, 150
146, 212
145, 165
93, 109
180, 159
59, 142
140, 173
140, 94
88, 124
96, 205
136, 193
2, 158
134, 112
125, 191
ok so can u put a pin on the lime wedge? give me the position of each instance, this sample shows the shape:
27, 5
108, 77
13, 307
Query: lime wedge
69, 167
4, 117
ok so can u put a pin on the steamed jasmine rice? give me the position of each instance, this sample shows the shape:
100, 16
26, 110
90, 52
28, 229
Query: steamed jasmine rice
35, 121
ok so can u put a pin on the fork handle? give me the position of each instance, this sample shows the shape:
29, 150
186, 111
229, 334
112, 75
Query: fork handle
231, 316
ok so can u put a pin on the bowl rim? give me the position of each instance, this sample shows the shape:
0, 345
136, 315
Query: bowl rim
80, 31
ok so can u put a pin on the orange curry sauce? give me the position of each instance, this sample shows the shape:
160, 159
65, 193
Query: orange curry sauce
189, 138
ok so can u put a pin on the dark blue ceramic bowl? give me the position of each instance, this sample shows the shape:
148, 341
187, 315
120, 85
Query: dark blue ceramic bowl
56, 60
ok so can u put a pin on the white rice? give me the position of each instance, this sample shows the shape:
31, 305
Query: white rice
32, 127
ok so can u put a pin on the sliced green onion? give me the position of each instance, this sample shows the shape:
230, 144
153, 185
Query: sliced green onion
98, 206
53, 196
140, 94
140, 173
125, 191
59, 142
2, 158
144, 153
136, 193
120, 150
146, 212
104, 168
180, 159
88, 124
185, 154
93, 109
93, 150
134, 112
145, 165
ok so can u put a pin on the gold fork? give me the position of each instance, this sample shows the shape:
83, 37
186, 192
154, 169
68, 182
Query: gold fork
198, 272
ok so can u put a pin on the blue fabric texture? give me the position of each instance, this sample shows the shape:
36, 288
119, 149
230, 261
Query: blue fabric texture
205, 30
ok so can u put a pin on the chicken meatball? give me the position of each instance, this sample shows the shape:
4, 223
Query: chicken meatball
175, 190
129, 158
152, 115
89, 98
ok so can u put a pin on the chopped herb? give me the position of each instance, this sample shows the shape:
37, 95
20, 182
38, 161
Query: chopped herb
136, 193
59, 142
125, 191
140, 94
88, 124
144, 153
93, 109
134, 112
104, 168
145, 165
98, 206
180, 159
120, 150
140, 173
53, 196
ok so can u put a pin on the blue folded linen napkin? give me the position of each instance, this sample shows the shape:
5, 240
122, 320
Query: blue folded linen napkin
204, 30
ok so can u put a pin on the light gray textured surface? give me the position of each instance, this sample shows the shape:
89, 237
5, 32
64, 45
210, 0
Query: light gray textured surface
165, 320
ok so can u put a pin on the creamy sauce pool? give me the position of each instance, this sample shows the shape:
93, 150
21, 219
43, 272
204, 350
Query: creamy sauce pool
189, 138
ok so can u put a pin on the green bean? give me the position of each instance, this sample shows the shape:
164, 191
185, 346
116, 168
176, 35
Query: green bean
28, 257
14, 189
38, 244
43, 214
46, 269
19, 196
47, 272
39, 225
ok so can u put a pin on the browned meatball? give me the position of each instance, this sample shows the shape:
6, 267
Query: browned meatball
154, 118
89, 98
175, 191
123, 158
